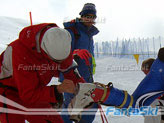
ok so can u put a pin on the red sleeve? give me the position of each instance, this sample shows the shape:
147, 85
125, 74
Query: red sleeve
28, 84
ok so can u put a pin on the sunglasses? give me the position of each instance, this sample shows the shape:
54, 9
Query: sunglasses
90, 16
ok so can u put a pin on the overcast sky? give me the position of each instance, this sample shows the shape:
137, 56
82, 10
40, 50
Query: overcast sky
116, 18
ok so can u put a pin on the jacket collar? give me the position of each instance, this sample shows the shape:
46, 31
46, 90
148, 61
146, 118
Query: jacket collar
80, 26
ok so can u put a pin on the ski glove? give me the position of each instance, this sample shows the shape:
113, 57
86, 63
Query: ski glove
82, 54
86, 94
59, 98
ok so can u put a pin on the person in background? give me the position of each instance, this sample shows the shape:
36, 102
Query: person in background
146, 65
82, 31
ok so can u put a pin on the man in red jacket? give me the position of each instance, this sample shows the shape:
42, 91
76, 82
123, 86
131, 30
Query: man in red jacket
28, 65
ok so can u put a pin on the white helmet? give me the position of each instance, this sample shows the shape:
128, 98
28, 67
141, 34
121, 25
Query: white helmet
56, 42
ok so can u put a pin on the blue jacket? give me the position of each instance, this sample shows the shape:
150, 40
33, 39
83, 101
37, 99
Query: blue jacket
85, 41
151, 87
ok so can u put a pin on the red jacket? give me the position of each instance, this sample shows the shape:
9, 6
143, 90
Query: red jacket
25, 66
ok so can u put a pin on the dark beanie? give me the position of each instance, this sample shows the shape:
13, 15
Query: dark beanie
161, 54
89, 8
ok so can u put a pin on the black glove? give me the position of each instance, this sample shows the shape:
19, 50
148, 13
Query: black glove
161, 54
59, 98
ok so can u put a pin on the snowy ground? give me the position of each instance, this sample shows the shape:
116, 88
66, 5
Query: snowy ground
124, 73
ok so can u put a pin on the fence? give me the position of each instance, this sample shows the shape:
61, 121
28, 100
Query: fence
145, 47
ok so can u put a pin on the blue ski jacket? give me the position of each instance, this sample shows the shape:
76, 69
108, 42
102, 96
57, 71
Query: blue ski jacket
150, 88
84, 41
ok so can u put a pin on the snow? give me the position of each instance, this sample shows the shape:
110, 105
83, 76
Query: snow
9, 29
123, 72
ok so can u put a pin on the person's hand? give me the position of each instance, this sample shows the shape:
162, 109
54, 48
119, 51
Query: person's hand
74, 75
66, 86
82, 54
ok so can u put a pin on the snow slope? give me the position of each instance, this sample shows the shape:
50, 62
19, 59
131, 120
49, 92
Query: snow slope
9, 30
124, 73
